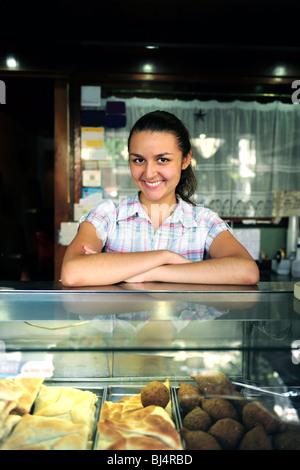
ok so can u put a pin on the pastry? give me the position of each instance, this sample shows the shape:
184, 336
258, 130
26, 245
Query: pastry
29, 387
128, 425
39, 433
120, 409
136, 415
9, 390
128, 404
7, 425
7, 420
139, 443
152, 421
5, 408
16, 398
71, 404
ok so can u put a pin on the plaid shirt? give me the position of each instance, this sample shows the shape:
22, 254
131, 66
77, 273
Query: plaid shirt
126, 227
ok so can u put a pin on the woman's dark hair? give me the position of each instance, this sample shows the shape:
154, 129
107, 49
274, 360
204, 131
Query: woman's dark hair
163, 121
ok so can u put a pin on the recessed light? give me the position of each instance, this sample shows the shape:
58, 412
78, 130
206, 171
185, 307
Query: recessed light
148, 68
280, 70
11, 62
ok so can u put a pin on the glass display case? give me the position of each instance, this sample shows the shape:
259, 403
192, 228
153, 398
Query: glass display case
129, 335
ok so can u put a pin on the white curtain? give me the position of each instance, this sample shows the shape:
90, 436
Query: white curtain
242, 150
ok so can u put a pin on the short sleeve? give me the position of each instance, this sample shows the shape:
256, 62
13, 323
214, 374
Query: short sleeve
215, 225
103, 217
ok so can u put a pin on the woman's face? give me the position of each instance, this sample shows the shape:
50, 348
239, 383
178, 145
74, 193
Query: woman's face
156, 164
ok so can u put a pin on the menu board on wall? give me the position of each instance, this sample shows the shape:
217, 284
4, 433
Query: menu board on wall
286, 203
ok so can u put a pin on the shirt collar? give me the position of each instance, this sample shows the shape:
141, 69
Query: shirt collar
132, 207
184, 213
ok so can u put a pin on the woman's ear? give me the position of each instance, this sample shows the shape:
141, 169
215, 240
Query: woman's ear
186, 161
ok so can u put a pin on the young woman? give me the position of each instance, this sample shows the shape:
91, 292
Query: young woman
159, 234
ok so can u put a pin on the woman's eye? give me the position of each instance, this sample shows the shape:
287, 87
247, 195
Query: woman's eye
163, 160
138, 160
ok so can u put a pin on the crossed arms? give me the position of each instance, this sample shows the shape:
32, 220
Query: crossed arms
85, 265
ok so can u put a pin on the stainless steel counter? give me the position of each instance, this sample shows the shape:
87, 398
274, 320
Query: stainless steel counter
268, 286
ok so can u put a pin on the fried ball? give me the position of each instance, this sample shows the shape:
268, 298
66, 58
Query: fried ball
218, 408
199, 440
228, 432
155, 393
212, 382
255, 413
256, 439
239, 401
188, 396
197, 420
289, 440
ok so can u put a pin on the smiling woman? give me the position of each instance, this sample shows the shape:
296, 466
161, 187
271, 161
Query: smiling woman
170, 131
156, 173
158, 234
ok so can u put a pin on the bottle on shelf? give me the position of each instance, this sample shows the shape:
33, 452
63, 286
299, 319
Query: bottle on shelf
292, 236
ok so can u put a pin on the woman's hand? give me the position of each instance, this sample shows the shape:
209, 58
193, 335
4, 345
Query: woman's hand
88, 251
175, 258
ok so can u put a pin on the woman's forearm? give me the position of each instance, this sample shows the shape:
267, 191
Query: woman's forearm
111, 268
228, 270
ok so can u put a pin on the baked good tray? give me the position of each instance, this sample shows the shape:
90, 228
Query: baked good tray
283, 400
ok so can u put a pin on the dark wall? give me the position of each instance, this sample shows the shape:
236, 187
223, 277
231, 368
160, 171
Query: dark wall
26, 179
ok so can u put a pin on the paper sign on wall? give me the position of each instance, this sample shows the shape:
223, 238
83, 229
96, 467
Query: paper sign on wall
92, 136
250, 239
91, 96
91, 178
93, 153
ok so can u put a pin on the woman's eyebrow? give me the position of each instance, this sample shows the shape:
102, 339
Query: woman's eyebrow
159, 155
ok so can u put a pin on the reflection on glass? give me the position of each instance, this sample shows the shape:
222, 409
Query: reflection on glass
207, 146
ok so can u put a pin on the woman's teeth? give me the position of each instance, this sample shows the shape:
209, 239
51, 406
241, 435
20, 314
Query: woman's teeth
153, 184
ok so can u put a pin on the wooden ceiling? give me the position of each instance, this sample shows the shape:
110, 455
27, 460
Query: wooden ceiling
206, 50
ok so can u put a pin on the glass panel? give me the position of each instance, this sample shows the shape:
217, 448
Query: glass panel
159, 332
153, 320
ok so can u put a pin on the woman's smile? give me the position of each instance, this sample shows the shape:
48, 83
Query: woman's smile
153, 184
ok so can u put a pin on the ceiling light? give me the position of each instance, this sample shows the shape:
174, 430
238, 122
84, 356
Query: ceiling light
207, 147
148, 68
11, 62
280, 70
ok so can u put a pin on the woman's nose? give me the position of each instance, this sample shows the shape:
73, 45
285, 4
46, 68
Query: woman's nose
150, 170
